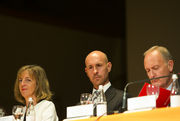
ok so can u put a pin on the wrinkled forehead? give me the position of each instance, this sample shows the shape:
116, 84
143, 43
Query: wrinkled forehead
154, 58
156, 54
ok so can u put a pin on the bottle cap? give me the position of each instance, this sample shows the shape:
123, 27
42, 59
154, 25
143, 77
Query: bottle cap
30, 99
174, 76
100, 87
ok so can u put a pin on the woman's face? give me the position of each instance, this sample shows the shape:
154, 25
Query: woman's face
27, 85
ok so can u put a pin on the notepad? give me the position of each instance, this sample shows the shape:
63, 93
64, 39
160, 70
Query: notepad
163, 98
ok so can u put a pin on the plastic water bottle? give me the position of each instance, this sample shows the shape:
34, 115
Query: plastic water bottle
101, 108
175, 92
30, 116
175, 85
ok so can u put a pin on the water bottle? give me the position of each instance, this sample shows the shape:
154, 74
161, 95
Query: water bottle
30, 115
101, 107
175, 92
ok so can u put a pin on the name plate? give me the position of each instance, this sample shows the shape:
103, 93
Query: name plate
7, 118
175, 100
80, 111
144, 102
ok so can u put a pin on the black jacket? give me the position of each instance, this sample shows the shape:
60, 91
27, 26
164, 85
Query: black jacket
114, 99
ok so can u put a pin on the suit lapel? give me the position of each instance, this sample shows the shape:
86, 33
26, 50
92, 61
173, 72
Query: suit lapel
110, 93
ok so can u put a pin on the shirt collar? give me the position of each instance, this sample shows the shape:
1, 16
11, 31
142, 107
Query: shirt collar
105, 87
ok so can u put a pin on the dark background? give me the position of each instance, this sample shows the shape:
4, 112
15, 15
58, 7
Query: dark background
58, 34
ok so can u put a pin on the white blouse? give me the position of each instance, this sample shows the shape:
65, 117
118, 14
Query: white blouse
45, 111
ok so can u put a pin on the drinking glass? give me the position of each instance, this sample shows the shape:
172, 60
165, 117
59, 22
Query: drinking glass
17, 112
86, 98
152, 90
2, 113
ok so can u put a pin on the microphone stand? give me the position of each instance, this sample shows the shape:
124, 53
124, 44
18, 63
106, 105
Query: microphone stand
26, 112
134, 82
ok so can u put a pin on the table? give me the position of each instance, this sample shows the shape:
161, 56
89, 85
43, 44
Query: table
159, 114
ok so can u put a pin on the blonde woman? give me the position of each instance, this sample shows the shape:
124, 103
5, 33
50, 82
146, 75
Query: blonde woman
32, 82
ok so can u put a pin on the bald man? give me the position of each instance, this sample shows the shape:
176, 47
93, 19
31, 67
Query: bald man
97, 69
158, 62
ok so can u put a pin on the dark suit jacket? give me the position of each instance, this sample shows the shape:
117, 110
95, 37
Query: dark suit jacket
114, 99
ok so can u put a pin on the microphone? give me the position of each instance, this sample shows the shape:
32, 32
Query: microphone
135, 82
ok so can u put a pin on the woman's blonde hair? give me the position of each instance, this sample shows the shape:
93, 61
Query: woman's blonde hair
42, 90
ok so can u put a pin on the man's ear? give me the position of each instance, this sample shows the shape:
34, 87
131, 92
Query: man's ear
170, 65
109, 66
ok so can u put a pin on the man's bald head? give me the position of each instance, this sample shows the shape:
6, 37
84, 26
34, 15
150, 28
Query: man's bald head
95, 54
97, 68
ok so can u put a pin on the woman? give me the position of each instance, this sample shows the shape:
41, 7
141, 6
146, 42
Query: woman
32, 82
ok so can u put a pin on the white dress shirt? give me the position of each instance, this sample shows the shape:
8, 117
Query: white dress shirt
105, 87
